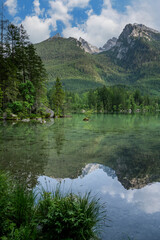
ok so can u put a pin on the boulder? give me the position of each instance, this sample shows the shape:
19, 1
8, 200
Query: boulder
25, 120
47, 110
86, 119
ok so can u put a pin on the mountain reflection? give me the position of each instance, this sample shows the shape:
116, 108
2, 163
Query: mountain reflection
102, 180
128, 144
131, 213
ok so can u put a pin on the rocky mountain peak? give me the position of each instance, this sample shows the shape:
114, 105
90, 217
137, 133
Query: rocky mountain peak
88, 47
137, 31
109, 44
130, 34
142, 27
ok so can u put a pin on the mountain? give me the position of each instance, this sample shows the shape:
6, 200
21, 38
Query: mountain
91, 167
109, 44
138, 51
132, 60
88, 47
66, 58
137, 44
58, 35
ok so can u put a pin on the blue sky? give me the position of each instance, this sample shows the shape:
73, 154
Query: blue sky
94, 20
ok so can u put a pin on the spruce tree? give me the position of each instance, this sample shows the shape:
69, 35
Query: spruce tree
1, 97
58, 98
20, 64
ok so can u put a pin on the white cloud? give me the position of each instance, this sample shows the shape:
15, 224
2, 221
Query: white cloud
99, 28
59, 12
37, 7
78, 3
38, 29
145, 199
12, 6
147, 195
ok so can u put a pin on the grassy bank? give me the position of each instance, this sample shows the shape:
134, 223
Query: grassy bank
55, 216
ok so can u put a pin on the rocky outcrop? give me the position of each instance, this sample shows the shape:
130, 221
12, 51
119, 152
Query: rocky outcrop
88, 47
49, 111
129, 37
109, 44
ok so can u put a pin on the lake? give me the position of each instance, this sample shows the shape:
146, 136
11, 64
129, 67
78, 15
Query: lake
116, 157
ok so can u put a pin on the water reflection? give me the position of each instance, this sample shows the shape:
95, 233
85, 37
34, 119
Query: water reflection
59, 136
22, 150
128, 144
133, 213
125, 148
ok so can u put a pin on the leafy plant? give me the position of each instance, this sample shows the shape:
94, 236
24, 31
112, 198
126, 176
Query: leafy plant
21, 233
55, 217
17, 106
5, 186
17, 210
69, 216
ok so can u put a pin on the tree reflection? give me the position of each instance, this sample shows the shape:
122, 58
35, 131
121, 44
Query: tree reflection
59, 135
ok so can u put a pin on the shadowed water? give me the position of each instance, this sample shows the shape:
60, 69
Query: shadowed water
116, 156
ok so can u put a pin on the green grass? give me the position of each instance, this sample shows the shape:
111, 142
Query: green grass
55, 217
17, 210
69, 216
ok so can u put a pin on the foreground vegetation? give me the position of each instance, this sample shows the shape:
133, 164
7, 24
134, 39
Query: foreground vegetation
54, 217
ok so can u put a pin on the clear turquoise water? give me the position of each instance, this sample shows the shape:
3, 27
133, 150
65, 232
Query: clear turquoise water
115, 156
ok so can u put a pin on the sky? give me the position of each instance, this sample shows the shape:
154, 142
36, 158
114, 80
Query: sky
94, 20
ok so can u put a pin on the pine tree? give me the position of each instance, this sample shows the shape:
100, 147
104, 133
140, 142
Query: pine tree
20, 64
1, 97
58, 98
36, 73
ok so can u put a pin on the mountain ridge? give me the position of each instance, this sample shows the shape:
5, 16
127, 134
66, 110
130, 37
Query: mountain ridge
132, 60
129, 37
